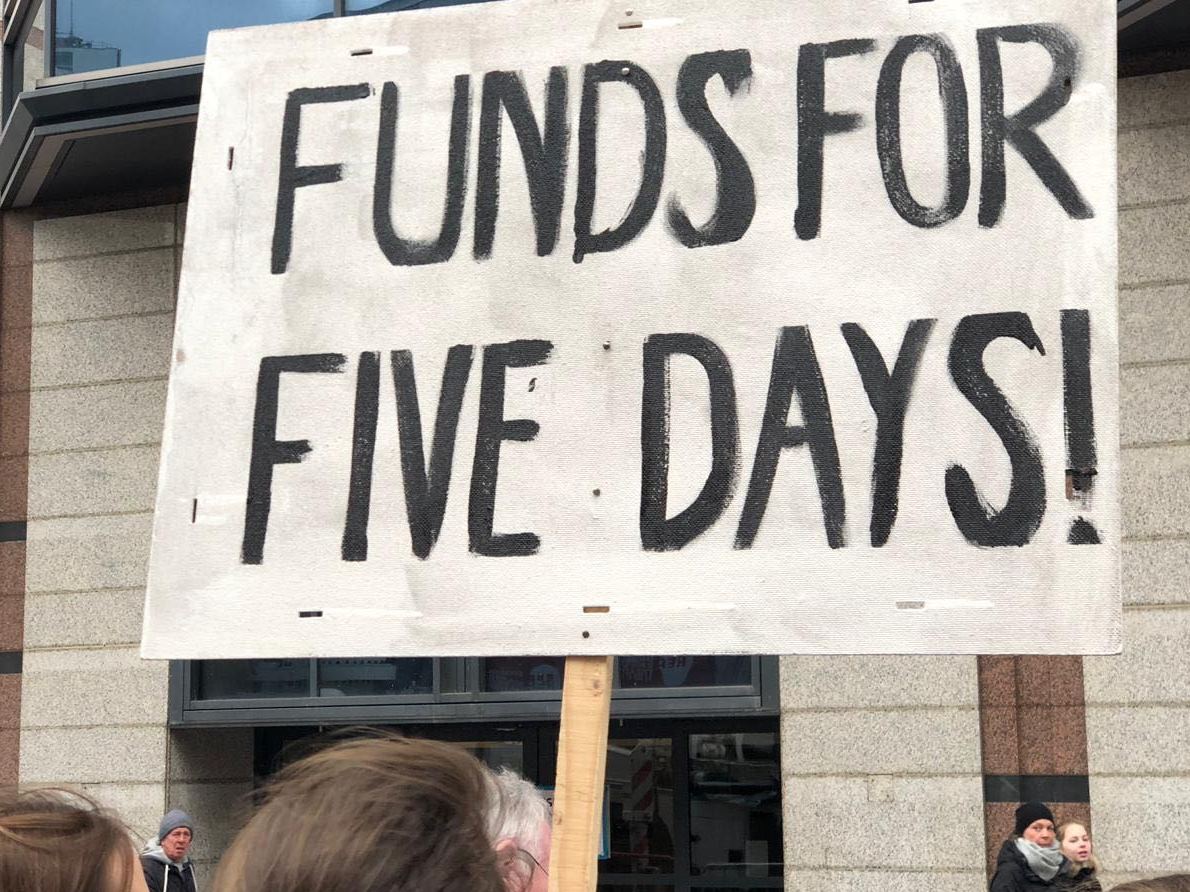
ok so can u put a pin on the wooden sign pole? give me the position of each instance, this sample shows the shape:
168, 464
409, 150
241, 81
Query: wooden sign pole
582, 765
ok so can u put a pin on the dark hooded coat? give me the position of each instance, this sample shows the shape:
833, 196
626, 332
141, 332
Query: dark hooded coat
162, 875
1083, 881
1013, 873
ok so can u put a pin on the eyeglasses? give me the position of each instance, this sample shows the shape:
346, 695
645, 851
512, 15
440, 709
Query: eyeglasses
537, 864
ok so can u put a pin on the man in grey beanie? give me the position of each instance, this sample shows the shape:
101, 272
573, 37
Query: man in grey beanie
167, 864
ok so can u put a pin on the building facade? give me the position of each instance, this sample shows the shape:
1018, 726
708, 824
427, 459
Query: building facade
807, 773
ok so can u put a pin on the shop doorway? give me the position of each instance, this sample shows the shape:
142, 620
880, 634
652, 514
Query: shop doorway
694, 804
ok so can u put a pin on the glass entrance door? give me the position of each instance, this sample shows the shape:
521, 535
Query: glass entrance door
694, 804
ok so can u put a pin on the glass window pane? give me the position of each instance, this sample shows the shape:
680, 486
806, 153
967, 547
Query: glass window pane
521, 673
684, 672
374, 677
735, 807
641, 793
363, 7
241, 679
90, 35
28, 60
498, 753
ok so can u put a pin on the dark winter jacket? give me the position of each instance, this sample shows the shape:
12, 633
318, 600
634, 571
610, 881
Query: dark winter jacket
162, 875
1083, 881
1013, 873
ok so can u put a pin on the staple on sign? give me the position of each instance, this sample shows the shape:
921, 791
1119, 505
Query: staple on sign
597, 608
309, 614
364, 52
911, 605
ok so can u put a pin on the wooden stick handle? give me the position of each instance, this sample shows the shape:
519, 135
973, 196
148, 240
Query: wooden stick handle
582, 766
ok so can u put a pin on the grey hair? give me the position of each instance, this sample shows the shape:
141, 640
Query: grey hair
515, 809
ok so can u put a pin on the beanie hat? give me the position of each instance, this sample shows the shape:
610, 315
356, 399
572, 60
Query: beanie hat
1030, 812
172, 821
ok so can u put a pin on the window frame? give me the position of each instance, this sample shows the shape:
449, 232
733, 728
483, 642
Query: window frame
186, 710
19, 16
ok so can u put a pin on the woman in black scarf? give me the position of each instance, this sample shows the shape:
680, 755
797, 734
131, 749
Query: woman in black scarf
1031, 859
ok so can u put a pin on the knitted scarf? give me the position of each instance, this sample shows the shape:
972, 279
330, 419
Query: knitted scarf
1044, 862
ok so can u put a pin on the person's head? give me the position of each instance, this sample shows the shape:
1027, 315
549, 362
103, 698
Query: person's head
1178, 882
1035, 824
57, 841
174, 835
375, 814
519, 825
1076, 846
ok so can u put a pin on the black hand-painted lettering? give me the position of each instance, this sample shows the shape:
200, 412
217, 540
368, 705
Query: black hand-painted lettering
544, 155
1076, 389
267, 450
657, 533
1081, 453
735, 190
1019, 130
889, 396
402, 251
494, 428
1021, 515
363, 447
953, 92
292, 175
796, 371
814, 123
426, 489
1083, 532
644, 204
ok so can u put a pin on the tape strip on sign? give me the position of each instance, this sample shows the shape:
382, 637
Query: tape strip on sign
784, 329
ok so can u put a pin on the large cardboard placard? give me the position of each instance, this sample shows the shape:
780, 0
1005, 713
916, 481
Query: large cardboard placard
672, 327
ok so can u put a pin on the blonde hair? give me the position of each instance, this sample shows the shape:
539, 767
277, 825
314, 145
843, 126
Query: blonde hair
56, 840
1075, 866
370, 815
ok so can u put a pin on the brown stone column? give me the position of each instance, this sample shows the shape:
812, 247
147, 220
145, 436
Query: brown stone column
1033, 730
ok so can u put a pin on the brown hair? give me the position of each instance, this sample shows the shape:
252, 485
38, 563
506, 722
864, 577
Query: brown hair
1075, 866
1179, 882
385, 814
60, 841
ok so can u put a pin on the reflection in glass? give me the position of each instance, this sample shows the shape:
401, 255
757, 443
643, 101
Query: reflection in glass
498, 753
90, 35
735, 806
684, 671
28, 56
242, 679
364, 7
641, 791
521, 673
374, 677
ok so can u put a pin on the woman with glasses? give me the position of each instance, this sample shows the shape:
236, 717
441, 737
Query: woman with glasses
519, 825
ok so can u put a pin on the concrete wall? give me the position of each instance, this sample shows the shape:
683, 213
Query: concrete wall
882, 781
1138, 704
93, 714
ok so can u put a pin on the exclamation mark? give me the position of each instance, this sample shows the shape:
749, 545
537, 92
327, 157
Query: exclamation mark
1080, 421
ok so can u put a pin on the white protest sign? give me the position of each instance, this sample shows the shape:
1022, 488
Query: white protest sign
558, 328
